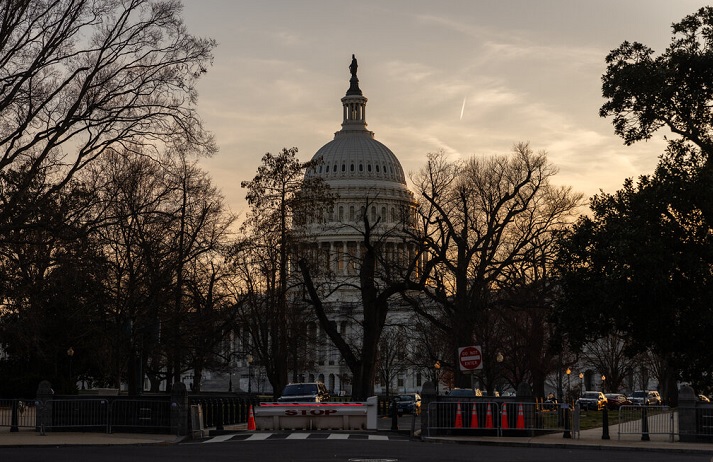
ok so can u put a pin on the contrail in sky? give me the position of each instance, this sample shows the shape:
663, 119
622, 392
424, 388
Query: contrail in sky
462, 109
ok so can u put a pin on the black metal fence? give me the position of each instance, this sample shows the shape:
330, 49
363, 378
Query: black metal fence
145, 414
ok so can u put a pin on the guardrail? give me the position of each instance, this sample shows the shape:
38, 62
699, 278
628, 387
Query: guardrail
317, 416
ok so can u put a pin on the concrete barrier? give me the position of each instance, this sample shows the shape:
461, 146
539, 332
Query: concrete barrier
317, 416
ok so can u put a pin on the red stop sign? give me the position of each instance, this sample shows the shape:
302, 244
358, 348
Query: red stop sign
470, 358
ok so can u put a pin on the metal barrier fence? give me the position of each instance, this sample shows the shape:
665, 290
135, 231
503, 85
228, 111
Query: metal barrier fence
107, 414
219, 411
17, 413
646, 421
75, 414
704, 421
142, 414
496, 418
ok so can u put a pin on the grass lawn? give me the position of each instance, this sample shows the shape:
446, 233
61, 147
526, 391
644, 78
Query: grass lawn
593, 419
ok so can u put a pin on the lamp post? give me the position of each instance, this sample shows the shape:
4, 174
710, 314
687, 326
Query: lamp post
70, 354
581, 383
499, 358
249, 359
437, 368
569, 385
604, 378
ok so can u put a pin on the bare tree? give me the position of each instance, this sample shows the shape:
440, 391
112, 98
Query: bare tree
610, 358
382, 277
80, 77
394, 355
482, 220
279, 197
162, 222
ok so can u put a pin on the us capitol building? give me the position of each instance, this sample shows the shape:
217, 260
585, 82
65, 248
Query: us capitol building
366, 178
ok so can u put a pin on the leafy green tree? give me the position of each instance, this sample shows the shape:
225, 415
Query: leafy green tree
53, 297
640, 265
646, 245
675, 90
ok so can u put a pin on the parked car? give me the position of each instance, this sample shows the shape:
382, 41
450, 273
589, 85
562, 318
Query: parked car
464, 392
408, 403
593, 400
616, 400
650, 397
312, 392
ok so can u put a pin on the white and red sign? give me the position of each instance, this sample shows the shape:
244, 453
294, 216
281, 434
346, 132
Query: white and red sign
470, 358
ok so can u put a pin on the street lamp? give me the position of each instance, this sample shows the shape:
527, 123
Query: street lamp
604, 378
70, 354
499, 357
581, 383
569, 386
437, 368
249, 359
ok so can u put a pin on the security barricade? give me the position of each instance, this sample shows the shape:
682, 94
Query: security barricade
139, 415
704, 421
317, 416
149, 415
495, 418
74, 414
17, 413
646, 421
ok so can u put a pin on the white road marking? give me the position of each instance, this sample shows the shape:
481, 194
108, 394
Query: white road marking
220, 439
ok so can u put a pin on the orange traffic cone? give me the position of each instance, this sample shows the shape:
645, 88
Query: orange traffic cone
459, 418
473, 417
251, 419
520, 417
489, 418
504, 418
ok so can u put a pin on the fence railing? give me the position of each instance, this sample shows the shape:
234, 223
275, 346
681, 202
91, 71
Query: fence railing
223, 410
704, 421
646, 421
478, 417
18, 413
125, 414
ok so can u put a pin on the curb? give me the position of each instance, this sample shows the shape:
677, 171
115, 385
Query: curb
563, 445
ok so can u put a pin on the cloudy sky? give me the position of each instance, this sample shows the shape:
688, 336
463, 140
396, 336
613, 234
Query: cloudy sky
528, 70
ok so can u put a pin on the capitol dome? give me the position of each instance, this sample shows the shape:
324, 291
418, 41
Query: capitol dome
354, 154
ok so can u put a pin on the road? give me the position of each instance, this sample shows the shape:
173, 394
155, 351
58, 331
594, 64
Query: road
319, 450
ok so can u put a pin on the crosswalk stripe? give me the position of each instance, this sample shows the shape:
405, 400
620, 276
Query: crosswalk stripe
220, 439
262, 436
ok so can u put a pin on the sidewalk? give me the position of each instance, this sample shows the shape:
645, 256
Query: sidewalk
587, 439
591, 439
29, 437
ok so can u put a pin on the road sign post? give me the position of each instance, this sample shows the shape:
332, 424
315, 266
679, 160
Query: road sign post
470, 358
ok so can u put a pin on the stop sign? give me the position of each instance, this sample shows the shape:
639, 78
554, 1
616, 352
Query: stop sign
470, 358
